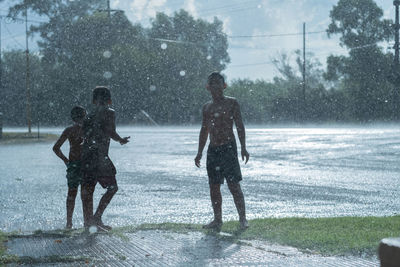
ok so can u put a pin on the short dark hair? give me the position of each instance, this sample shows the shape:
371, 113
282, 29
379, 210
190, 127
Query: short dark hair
77, 113
101, 94
216, 77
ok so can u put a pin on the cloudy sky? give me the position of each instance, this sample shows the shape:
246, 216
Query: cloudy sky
250, 56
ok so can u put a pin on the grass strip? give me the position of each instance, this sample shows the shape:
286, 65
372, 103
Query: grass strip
358, 236
340, 236
10, 138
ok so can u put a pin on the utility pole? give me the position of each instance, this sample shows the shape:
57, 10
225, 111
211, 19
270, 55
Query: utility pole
396, 3
109, 10
394, 76
109, 29
28, 92
304, 104
304, 62
1, 65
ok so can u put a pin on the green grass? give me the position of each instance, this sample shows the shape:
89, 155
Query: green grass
358, 236
23, 138
328, 236
4, 256
3, 239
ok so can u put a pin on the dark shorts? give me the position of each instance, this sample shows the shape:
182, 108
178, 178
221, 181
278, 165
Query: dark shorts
108, 182
74, 174
222, 162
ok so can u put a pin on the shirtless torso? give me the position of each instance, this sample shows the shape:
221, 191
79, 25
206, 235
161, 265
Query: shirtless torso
74, 135
218, 118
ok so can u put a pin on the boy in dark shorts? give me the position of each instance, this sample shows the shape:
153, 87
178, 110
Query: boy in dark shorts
222, 161
74, 177
97, 167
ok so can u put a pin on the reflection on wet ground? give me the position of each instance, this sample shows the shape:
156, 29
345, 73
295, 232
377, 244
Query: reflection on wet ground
311, 172
160, 248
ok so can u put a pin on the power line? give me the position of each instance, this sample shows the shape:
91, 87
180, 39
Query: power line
12, 37
228, 11
252, 64
227, 8
273, 35
10, 20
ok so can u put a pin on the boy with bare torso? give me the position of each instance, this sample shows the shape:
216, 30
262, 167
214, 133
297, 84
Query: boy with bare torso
222, 162
97, 167
74, 177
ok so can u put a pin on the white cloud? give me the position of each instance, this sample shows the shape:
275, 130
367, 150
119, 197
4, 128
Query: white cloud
190, 7
226, 22
115, 3
142, 9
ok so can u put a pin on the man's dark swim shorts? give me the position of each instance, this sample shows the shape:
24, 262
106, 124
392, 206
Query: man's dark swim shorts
74, 174
107, 182
222, 162
99, 169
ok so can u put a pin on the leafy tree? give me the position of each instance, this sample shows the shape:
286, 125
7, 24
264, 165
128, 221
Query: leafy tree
364, 72
80, 46
13, 94
289, 105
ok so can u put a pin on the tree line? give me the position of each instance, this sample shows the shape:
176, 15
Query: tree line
162, 69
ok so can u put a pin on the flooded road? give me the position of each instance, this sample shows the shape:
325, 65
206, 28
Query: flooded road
307, 172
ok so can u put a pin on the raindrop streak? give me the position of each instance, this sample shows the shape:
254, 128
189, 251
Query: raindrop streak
208, 57
107, 54
107, 75
164, 46
182, 73
152, 88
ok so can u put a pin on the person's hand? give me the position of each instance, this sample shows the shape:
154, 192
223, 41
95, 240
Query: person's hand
246, 155
197, 160
124, 140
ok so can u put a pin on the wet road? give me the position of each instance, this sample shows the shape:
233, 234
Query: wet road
309, 172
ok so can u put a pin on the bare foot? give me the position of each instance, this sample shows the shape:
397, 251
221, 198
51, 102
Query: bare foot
244, 224
101, 226
68, 226
216, 225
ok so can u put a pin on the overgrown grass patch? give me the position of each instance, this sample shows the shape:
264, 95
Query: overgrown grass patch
358, 236
23, 138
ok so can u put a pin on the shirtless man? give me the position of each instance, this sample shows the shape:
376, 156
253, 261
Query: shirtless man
97, 167
222, 159
74, 176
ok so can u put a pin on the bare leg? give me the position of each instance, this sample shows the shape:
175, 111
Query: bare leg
87, 203
238, 198
104, 201
70, 205
216, 201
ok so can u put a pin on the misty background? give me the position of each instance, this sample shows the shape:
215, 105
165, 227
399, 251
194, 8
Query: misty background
156, 55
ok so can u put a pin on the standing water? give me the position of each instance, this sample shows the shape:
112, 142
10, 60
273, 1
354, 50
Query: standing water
302, 172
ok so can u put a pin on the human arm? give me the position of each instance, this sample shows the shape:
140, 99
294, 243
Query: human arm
58, 144
202, 138
111, 129
237, 116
